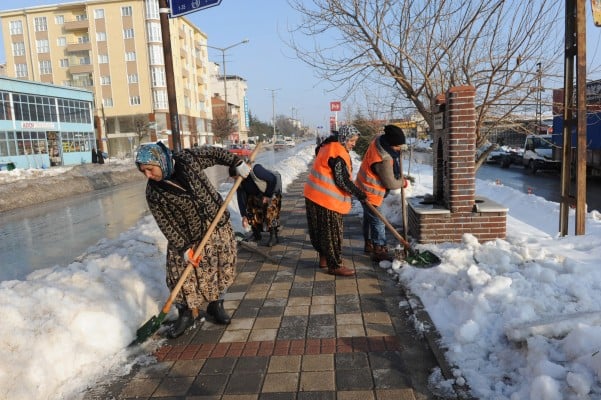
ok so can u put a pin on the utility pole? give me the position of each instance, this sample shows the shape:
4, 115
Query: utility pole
539, 98
575, 53
273, 110
169, 75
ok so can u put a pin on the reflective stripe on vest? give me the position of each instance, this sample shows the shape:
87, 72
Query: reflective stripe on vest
321, 187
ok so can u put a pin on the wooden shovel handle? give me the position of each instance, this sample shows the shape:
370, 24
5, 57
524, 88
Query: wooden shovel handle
374, 210
207, 236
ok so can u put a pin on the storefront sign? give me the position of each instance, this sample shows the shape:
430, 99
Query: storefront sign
37, 125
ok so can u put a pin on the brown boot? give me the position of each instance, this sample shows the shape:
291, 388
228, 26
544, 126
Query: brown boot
381, 254
341, 271
369, 247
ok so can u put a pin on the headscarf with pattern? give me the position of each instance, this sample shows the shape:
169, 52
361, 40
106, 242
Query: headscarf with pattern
156, 154
346, 132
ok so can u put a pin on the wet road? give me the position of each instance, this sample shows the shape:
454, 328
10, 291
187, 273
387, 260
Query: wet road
56, 232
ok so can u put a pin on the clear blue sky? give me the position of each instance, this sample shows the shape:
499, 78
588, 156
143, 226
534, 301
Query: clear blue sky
267, 63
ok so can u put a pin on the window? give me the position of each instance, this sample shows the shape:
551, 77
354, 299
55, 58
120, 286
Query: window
130, 56
77, 141
16, 27
19, 49
126, 11
107, 102
103, 58
81, 17
134, 100
42, 46
33, 108
83, 39
45, 67
64, 63
74, 111
152, 9
160, 100
59, 19
158, 76
132, 78
105, 80
154, 32
40, 24
99, 13
5, 113
84, 61
61, 41
21, 70
156, 55
101, 36
128, 33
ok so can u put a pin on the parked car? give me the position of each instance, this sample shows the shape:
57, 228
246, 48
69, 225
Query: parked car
280, 145
242, 151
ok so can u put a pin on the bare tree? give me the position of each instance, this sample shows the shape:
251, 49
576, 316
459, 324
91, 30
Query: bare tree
417, 49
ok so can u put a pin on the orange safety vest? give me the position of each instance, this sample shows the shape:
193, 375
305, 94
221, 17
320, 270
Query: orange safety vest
320, 188
367, 180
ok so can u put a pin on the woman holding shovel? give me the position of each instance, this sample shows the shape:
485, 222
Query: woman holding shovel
379, 173
328, 197
184, 203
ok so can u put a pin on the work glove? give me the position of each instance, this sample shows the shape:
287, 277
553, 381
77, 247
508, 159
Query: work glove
242, 169
189, 257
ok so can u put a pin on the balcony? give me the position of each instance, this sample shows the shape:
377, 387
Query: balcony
77, 25
72, 47
81, 69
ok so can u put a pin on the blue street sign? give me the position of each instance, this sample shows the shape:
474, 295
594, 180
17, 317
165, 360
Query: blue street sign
181, 7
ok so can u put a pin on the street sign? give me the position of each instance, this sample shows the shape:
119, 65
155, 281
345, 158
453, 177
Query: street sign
335, 106
181, 7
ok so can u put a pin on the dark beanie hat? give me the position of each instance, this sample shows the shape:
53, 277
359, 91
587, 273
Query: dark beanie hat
394, 135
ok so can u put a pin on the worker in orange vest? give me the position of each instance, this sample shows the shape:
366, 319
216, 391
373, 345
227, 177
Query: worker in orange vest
379, 173
328, 194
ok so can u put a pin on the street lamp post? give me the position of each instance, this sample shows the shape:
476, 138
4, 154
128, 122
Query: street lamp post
223, 50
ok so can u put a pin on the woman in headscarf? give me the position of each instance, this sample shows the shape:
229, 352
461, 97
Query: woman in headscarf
328, 197
260, 201
184, 203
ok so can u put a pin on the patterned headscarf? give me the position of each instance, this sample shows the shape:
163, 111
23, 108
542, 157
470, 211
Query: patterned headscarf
156, 154
346, 132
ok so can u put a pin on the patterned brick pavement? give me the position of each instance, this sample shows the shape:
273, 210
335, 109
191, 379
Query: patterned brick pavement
296, 332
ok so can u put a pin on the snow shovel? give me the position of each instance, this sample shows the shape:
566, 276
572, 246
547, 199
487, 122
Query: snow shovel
154, 323
425, 259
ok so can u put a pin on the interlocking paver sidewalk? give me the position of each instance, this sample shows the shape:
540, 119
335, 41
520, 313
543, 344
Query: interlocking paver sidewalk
296, 332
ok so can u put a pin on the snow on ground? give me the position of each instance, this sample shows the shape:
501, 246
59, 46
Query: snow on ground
520, 317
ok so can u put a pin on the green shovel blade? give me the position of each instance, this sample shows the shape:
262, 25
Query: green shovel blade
425, 259
149, 328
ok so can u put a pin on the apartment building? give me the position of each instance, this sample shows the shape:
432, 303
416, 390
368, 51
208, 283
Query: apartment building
114, 49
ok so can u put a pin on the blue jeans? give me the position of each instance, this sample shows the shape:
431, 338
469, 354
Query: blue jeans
373, 227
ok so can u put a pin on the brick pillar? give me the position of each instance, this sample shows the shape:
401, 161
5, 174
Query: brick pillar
460, 121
